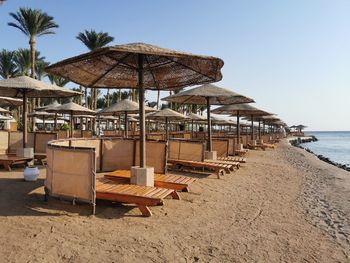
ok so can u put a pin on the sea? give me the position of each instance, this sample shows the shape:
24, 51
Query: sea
332, 144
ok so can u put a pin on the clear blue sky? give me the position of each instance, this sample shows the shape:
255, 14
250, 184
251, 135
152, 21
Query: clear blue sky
291, 56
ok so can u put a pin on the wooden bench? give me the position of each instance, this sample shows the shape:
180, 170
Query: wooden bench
141, 196
233, 164
175, 182
8, 160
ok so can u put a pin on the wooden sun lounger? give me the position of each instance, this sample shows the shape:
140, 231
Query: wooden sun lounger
142, 196
240, 152
257, 146
233, 159
219, 169
175, 182
8, 160
41, 157
268, 145
232, 168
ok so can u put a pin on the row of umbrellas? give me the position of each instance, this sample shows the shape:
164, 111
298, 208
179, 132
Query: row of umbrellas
135, 66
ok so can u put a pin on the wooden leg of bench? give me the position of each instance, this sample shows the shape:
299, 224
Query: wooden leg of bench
145, 210
8, 167
93, 210
175, 195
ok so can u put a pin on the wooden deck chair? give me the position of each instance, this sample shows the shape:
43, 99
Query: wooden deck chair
141, 196
7, 160
175, 182
233, 159
185, 154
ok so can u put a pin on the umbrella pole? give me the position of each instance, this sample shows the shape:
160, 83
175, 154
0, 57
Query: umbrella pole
24, 120
126, 124
71, 124
252, 129
192, 130
142, 113
209, 125
259, 131
44, 123
238, 129
166, 128
55, 122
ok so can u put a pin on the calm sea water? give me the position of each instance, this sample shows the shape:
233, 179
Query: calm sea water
334, 145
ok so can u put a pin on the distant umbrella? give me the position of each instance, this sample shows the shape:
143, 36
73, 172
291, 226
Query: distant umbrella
208, 94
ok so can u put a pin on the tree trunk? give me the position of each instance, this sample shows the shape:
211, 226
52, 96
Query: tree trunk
32, 58
107, 103
81, 96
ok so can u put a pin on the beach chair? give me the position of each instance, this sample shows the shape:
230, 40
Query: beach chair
156, 157
141, 196
190, 155
175, 182
233, 159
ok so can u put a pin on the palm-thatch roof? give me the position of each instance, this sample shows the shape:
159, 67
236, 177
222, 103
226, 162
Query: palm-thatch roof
72, 108
196, 117
215, 94
2, 110
118, 67
40, 114
8, 102
49, 106
15, 87
122, 107
166, 113
240, 109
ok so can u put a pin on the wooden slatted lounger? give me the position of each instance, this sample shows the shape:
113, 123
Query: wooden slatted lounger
8, 160
142, 196
219, 169
234, 164
240, 152
175, 182
233, 159
257, 146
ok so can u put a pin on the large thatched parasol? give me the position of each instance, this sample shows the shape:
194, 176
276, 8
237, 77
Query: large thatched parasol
25, 87
9, 102
124, 106
208, 94
139, 66
166, 115
241, 110
2, 110
71, 108
266, 119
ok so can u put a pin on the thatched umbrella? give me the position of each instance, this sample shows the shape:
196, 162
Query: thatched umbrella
139, 66
50, 106
71, 108
166, 115
241, 110
124, 106
25, 87
208, 94
264, 119
9, 102
42, 114
2, 110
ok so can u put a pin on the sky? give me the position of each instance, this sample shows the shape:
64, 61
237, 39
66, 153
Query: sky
291, 56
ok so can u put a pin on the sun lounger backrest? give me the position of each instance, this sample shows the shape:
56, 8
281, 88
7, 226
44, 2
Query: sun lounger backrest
41, 140
186, 150
90, 143
155, 155
4, 142
117, 154
71, 173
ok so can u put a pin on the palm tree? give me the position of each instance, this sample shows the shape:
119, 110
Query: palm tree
33, 23
93, 40
59, 81
8, 67
23, 60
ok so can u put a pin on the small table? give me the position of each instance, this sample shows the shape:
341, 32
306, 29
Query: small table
8, 160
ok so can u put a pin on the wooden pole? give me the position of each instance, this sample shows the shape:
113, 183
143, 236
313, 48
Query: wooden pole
192, 129
238, 129
71, 124
142, 112
166, 128
209, 147
252, 129
126, 124
24, 119
259, 129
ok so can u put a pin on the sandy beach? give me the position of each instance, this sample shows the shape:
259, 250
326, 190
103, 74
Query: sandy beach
283, 205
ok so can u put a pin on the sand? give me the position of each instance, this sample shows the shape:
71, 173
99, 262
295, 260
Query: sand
284, 205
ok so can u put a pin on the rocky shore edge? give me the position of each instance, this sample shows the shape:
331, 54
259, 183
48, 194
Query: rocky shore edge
298, 141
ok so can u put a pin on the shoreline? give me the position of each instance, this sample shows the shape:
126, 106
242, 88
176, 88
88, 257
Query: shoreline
282, 205
298, 141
